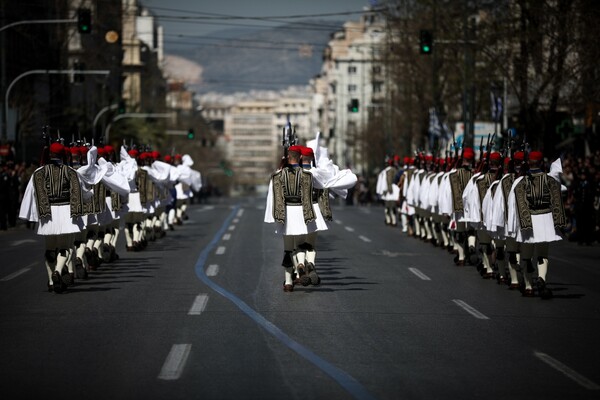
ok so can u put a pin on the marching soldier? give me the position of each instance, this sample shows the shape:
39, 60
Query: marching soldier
387, 188
54, 199
289, 206
535, 216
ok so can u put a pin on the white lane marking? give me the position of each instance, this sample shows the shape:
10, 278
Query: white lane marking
19, 242
220, 250
175, 362
227, 236
560, 367
364, 239
235, 220
199, 304
337, 221
231, 227
469, 309
205, 208
240, 212
419, 274
17, 273
212, 270
349, 229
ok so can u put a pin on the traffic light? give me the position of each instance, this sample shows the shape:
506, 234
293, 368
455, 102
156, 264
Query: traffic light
425, 42
121, 109
191, 134
353, 105
84, 20
78, 66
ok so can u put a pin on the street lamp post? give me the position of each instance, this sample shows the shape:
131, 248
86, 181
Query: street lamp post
40, 71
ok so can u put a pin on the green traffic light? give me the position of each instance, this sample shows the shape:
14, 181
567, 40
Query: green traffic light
426, 49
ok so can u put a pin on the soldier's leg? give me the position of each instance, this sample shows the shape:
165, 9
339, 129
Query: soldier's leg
50, 258
461, 232
311, 254
485, 241
527, 267
287, 263
541, 252
512, 250
500, 259
393, 212
388, 217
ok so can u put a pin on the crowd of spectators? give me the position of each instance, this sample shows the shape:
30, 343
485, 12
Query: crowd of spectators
13, 181
581, 176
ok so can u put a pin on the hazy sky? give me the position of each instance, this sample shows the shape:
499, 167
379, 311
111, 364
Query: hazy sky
246, 8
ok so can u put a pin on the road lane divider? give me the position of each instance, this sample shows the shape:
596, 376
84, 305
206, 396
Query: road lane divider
231, 227
568, 372
212, 270
220, 250
469, 309
227, 236
349, 228
346, 381
17, 273
418, 273
199, 304
364, 239
175, 362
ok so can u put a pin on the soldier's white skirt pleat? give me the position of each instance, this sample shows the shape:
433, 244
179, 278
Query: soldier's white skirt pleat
134, 204
60, 222
295, 224
543, 230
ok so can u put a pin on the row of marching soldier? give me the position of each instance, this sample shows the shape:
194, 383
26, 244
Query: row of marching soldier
498, 213
82, 197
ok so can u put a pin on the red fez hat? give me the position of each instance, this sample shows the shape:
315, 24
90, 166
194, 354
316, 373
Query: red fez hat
468, 153
133, 153
101, 151
109, 149
296, 148
441, 161
83, 149
74, 150
519, 156
536, 156
168, 158
307, 152
144, 155
407, 160
155, 155
506, 160
495, 156
177, 156
428, 157
57, 148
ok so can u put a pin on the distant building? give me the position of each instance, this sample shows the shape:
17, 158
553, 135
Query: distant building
350, 87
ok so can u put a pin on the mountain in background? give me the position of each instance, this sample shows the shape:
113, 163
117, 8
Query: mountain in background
261, 59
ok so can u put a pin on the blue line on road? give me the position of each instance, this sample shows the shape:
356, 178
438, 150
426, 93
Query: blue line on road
353, 387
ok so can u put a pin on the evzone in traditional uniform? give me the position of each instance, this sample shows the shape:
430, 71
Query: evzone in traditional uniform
457, 181
389, 192
473, 198
536, 216
54, 200
413, 197
406, 211
328, 179
495, 211
289, 206
134, 218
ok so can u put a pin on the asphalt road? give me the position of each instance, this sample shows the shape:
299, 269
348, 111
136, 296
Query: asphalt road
201, 314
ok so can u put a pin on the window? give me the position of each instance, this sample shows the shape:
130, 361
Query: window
377, 87
351, 69
376, 69
351, 88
